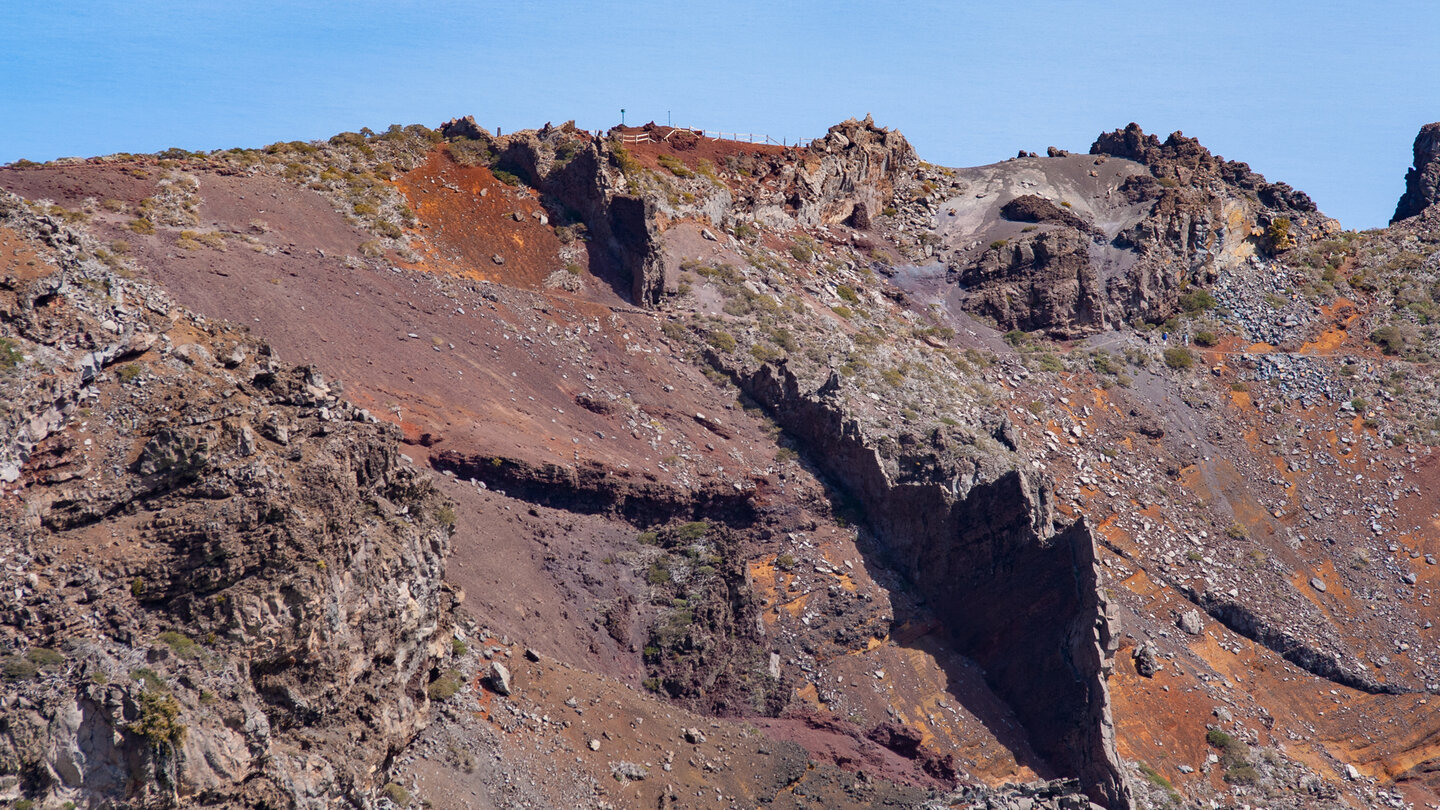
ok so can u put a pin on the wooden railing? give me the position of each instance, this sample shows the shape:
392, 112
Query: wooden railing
714, 135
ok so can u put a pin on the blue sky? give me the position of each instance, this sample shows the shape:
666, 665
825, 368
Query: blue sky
1324, 95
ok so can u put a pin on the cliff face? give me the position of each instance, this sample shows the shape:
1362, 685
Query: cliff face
1422, 181
222, 569
977, 538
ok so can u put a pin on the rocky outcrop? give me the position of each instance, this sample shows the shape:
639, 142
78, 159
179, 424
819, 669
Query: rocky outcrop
226, 587
844, 176
1034, 208
848, 174
581, 179
1042, 280
594, 489
1422, 181
1109, 244
1185, 162
976, 536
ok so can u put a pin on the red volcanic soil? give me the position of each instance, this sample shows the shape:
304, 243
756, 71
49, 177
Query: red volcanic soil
468, 217
692, 150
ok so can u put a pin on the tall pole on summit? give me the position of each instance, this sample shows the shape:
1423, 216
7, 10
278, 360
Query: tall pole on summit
622, 116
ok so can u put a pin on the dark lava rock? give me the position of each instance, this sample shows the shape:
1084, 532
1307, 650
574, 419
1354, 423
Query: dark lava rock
1422, 181
1032, 208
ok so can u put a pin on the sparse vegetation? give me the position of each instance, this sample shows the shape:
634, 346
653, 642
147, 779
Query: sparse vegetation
1278, 236
10, 355
16, 668
159, 720
45, 658
1179, 358
396, 792
1197, 300
446, 686
675, 166
1234, 757
722, 340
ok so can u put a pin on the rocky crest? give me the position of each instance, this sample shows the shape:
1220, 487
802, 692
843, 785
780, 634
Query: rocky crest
1185, 218
1422, 180
749, 499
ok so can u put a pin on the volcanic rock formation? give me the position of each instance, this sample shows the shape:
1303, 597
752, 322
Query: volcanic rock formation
1422, 180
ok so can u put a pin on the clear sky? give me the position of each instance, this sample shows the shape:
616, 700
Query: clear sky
1324, 95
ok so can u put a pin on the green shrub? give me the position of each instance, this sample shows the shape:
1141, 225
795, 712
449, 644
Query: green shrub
690, 532
659, 572
1206, 338
785, 562
722, 340
1196, 301
766, 353
10, 356
445, 686
1179, 358
15, 668
45, 658
1049, 362
396, 793
508, 178
624, 161
675, 166
1242, 774
148, 677
801, 253
182, 644
445, 515
847, 294
999, 243
142, 225
1393, 339
1155, 778
469, 153
159, 719
1278, 235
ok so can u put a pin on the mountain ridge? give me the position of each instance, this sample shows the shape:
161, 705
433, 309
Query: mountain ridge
741, 428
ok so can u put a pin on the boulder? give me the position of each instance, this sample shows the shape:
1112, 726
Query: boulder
499, 678
1191, 622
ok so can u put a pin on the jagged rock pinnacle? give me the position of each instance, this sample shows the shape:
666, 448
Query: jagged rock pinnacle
1422, 181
